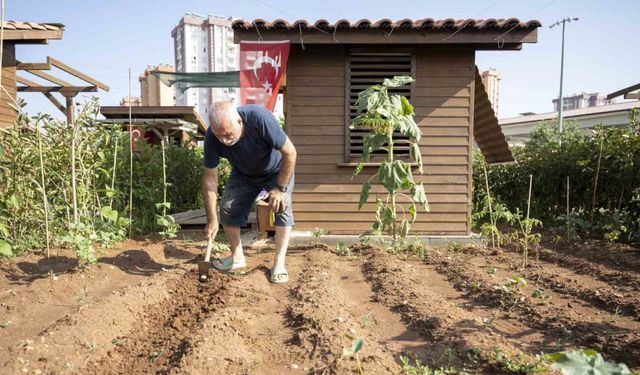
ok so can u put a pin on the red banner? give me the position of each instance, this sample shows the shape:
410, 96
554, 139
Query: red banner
262, 66
139, 135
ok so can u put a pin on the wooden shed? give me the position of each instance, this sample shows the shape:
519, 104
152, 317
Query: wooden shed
16, 33
329, 64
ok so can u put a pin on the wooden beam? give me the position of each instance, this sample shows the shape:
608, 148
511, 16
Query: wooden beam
25, 81
33, 66
55, 102
625, 90
61, 89
62, 66
381, 37
28, 36
46, 76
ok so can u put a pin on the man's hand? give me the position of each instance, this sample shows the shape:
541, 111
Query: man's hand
276, 200
211, 230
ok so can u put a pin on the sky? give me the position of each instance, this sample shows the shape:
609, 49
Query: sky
107, 38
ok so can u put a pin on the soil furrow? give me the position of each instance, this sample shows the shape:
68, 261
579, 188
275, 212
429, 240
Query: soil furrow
444, 326
565, 323
323, 316
89, 331
622, 274
163, 334
249, 332
581, 286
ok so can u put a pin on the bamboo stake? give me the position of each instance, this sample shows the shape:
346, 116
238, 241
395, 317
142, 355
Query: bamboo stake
130, 162
595, 181
529, 200
1, 43
486, 181
74, 196
113, 172
164, 179
44, 192
567, 218
527, 224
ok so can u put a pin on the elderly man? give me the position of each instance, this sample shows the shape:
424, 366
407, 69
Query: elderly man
262, 157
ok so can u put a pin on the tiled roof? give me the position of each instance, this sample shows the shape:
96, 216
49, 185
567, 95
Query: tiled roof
385, 23
15, 25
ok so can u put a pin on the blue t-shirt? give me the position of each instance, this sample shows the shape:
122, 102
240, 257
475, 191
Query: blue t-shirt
256, 153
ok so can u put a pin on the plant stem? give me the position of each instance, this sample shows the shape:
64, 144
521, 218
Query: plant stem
394, 229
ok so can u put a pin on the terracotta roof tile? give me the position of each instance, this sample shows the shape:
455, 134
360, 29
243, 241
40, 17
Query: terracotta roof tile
385, 23
16, 25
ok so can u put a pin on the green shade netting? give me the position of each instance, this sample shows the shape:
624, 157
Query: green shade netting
184, 81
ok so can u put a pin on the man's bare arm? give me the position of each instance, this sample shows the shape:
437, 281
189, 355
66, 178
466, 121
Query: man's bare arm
210, 198
289, 156
276, 197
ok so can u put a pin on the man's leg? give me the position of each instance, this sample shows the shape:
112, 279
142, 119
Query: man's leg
233, 234
283, 223
235, 205
282, 243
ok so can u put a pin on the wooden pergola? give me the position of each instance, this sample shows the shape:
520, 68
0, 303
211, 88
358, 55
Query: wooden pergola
163, 121
66, 89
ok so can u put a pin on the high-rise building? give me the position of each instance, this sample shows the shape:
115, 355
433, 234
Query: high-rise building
584, 100
205, 44
491, 79
152, 91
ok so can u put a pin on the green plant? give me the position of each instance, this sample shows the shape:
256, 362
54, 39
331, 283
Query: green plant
417, 368
456, 247
367, 319
35, 158
383, 114
511, 292
512, 364
610, 154
584, 362
317, 233
524, 235
343, 250
539, 293
356, 345
418, 248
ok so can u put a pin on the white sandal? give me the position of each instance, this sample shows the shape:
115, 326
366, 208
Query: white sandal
281, 277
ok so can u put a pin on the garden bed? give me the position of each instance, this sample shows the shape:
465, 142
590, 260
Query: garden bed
140, 309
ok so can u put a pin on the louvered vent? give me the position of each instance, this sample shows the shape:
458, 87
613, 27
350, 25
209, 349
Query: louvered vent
368, 69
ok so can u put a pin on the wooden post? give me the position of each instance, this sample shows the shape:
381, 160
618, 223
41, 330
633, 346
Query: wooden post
69, 110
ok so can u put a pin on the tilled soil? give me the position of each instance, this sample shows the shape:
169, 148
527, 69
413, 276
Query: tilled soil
142, 310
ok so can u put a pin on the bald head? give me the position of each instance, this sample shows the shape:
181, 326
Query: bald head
226, 123
223, 114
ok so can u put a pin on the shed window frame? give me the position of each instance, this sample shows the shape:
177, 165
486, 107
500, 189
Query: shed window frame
352, 159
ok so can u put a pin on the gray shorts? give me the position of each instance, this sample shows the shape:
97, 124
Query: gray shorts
240, 194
